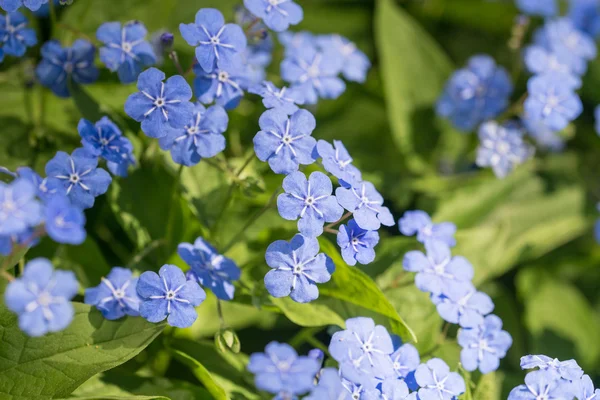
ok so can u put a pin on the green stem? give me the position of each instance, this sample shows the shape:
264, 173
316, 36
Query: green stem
246, 163
220, 313
7, 276
174, 196
53, 19
142, 254
328, 227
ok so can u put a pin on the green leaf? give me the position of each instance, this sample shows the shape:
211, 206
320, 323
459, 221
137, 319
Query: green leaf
489, 387
124, 397
86, 104
54, 365
86, 260
414, 69
202, 374
311, 314
354, 286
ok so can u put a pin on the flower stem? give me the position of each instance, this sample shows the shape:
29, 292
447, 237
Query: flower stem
174, 197
7, 276
220, 313
328, 227
173, 56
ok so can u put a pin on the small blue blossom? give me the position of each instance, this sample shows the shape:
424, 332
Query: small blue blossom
278, 15
391, 389
338, 162
211, 269
44, 192
60, 64
542, 8
330, 387
568, 370
437, 272
366, 203
280, 369
214, 40
224, 86
310, 200
64, 222
418, 222
104, 139
169, 295
77, 177
126, 49
283, 99
297, 267
202, 137
405, 360
295, 42
19, 208
15, 35
542, 385
544, 137
356, 63
501, 147
13, 5
159, 105
562, 37
540, 60
286, 142
357, 244
584, 389
484, 345
314, 73
362, 349
474, 94
463, 305
585, 15
437, 382
552, 100
40, 297
116, 295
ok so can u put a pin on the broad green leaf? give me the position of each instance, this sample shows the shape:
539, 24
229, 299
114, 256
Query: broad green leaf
351, 285
311, 314
414, 69
559, 318
489, 387
202, 374
54, 365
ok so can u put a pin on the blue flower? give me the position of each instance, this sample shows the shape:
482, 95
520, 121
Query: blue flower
121, 168
356, 243
484, 345
116, 295
338, 162
169, 295
295, 42
44, 192
418, 222
280, 369
585, 15
544, 137
391, 389
297, 267
224, 85
209, 268
568, 370
40, 297
286, 142
542, 385
64, 222
562, 37
19, 208
5, 245
540, 60
355, 63
314, 74
278, 15
126, 49
501, 148
60, 64
77, 177
202, 137
310, 200
552, 100
159, 105
330, 387
437, 382
597, 119
104, 139
405, 360
13, 5
463, 305
362, 350
584, 389
15, 35
366, 203
215, 41
438, 272
543, 8
283, 99
474, 94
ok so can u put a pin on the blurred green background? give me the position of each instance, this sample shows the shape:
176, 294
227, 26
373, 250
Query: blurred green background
528, 236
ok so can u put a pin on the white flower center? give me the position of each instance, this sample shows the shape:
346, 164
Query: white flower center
214, 40
119, 293
223, 76
503, 147
68, 67
127, 47
170, 295
59, 221
159, 102
309, 201
313, 71
192, 130
9, 206
74, 178
44, 299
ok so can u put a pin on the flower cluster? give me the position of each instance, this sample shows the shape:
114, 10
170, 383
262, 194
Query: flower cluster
14, 5
373, 365
553, 379
447, 279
